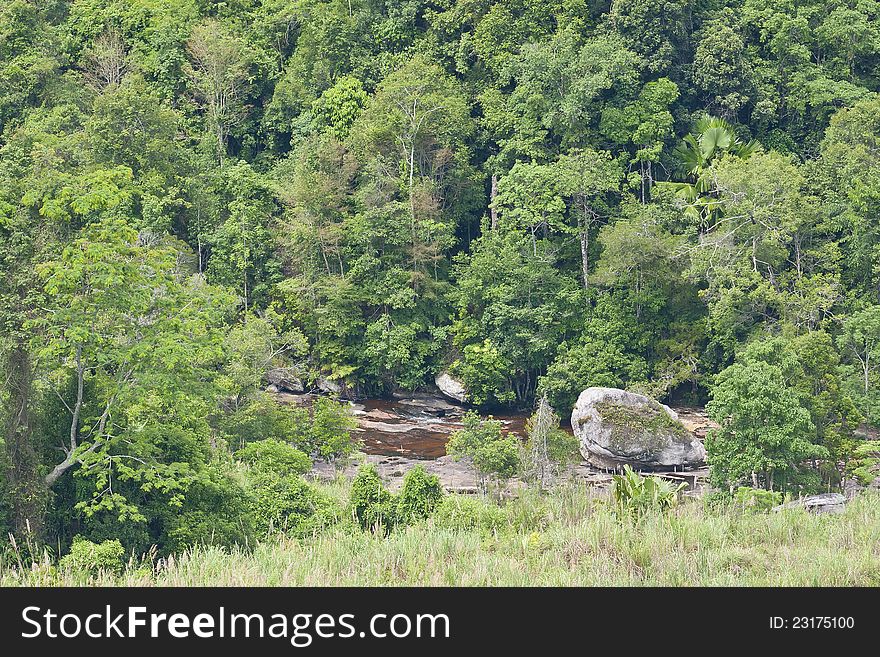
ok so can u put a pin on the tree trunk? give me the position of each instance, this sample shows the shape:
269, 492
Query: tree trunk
493, 213
25, 485
585, 249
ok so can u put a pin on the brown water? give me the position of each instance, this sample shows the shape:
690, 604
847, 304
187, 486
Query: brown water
415, 426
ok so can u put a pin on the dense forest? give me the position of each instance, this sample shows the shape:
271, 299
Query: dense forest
677, 197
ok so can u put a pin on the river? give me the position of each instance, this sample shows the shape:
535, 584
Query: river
418, 425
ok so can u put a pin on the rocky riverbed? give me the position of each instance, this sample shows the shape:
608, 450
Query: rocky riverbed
410, 429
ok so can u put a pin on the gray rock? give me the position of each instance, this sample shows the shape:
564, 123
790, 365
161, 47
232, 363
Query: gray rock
824, 503
327, 386
285, 379
451, 387
616, 428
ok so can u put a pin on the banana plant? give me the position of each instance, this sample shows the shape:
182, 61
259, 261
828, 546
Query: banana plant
637, 495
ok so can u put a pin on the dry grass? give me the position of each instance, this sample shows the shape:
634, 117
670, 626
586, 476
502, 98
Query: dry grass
564, 538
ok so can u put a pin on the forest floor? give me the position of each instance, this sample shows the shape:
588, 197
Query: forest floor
570, 536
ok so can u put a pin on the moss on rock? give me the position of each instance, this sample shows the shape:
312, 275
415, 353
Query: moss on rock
639, 428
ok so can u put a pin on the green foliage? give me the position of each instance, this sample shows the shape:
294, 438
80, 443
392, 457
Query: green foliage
330, 435
467, 513
860, 343
494, 454
637, 495
92, 558
370, 503
515, 306
215, 513
274, 456
282, 502
548, 448
865, 465
192, 193
262, 417
711, 139
603, 356
765, 433
129, 340
337, 109
757, 499
419, 497
253, 347
322, 432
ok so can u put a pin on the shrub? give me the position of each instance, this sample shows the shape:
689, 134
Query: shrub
275, 456
757, 499
419, 497
548, 448
494, 454
92, 558
370, 502
264, 418
637, 495
214, 512
466, 513
286, 504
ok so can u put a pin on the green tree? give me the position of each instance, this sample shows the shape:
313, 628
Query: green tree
419, 497
128, 347
711, 138
522, 303
765, 435
860, 342
495, 454
590, 180
218, 71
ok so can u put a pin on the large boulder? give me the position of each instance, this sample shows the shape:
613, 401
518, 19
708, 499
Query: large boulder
451, 387
285, 379
616, 428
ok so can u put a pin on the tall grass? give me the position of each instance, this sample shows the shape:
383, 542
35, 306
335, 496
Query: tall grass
568, 537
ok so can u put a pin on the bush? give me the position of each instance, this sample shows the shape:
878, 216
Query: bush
419, 497
215, 512
637, 495
494, 454
286, 504
370, 502
275, 456
93, 558
757, 499
466, 513
264, 418
330, 434
548, 448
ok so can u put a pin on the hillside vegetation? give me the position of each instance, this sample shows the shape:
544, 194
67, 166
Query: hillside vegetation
676, 197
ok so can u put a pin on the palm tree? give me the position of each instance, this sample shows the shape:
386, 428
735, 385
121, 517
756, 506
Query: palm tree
712, 138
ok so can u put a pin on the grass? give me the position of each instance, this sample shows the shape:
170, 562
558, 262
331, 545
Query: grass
567, 537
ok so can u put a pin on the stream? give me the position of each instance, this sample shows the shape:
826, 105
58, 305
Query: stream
418, 425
